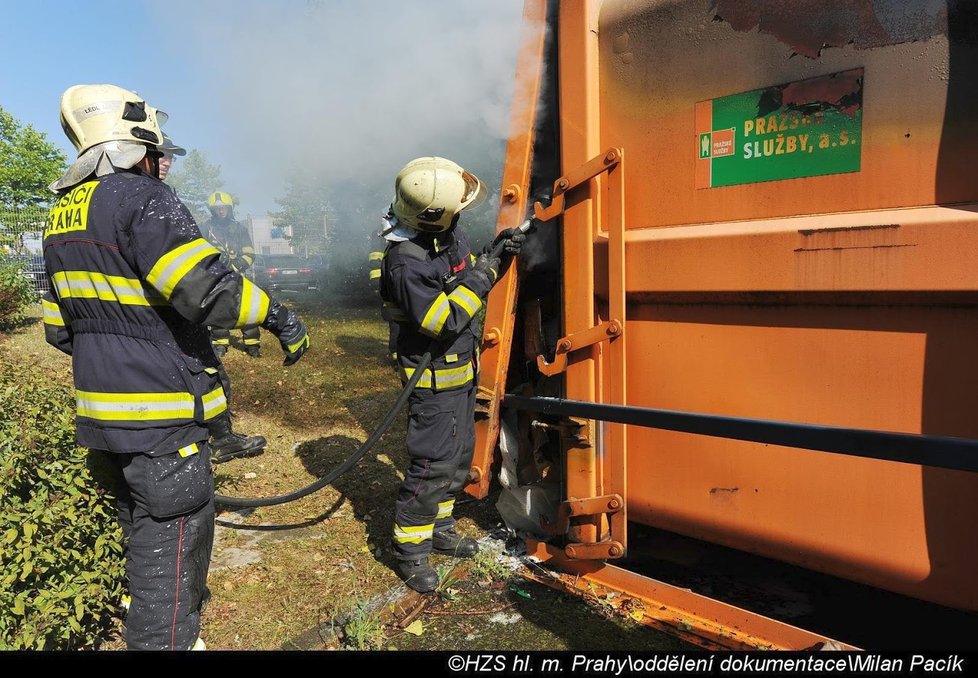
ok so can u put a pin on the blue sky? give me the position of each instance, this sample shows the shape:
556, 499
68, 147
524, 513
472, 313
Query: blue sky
265, 88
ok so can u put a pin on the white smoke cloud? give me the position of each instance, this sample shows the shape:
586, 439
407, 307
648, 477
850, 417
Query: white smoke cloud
349, 89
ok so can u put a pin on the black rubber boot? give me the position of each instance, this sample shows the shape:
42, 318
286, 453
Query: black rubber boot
451, 543
227, 445
417, 574
253, 351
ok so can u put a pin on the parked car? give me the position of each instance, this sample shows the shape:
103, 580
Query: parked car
33, 267
284, 271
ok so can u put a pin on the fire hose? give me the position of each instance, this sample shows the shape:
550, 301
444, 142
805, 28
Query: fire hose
353, 459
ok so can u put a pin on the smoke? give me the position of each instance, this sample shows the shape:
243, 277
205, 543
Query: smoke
345, 91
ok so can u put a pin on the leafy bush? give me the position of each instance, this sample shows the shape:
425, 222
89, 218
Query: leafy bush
61, 565
16, 292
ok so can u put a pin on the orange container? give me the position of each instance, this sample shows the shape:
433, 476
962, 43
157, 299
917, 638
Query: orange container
789, 233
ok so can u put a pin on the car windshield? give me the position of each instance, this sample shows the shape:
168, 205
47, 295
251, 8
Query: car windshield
281, 261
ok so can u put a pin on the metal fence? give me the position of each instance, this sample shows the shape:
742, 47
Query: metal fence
21, 235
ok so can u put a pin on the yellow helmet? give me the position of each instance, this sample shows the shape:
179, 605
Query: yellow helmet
218, 198
94, 114
430, 192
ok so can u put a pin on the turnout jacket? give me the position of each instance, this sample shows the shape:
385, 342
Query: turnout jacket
133, 288
232, 239
431, 301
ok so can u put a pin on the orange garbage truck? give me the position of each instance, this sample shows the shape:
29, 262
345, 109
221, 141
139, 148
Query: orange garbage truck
749, 312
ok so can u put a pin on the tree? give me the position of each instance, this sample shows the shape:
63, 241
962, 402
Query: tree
28, 164
196, 180
306, 213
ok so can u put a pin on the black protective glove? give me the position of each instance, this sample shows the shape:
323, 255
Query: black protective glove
512, 240
291, 333
488, 266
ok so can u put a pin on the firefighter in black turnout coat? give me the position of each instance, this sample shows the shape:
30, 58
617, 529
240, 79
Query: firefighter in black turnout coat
232, 239
134, 287
433, 288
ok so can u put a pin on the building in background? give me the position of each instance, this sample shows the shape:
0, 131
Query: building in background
268, 239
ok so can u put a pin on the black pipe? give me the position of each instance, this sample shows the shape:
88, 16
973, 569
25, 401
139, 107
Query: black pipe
960, 454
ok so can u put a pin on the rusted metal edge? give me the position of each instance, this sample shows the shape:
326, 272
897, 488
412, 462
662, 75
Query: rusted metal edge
695, 618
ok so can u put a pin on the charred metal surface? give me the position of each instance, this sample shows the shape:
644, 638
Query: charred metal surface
809, 26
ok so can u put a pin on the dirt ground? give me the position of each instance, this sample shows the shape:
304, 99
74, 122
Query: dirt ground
315, 574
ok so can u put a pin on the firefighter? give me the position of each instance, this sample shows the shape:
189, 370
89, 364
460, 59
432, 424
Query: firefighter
225, 444
168, 149
232, 239
134, 287
433, 288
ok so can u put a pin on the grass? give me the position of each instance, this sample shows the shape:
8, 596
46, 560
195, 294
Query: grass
325, 556
486, 565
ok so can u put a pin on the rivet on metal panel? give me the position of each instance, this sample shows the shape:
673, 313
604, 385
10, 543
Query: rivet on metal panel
615, 551
614, 504
563, 183
564, 345
571, 552
614, 328
492, 336
475, 474
611, 156
512, 193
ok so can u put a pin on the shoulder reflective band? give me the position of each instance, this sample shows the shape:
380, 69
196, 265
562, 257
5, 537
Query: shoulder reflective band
134, 406
435, 316
95, 285
445, 508
297, 345
175, 264
413, 535
376, 256
467, 299
189, 450
254, 305
52, 313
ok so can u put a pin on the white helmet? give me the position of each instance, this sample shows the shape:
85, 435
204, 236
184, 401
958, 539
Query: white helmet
94, 114
430, 192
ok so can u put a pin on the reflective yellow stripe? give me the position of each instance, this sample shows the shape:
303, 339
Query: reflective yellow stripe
52, 313
189, 450
252, 342
472, 257
295, 347
175, 264
413, 535
221, 342
95, 285
376, 256
214, 403
451, 358
423, 382
455, 376
254, 305
467, 299
374, 273
134, 406
448, 378
445, 508
436, 315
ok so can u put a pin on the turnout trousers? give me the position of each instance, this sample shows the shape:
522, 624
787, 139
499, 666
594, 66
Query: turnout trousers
440, 442
222, 337
166, 510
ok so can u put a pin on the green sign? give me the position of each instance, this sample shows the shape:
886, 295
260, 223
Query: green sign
802, 129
